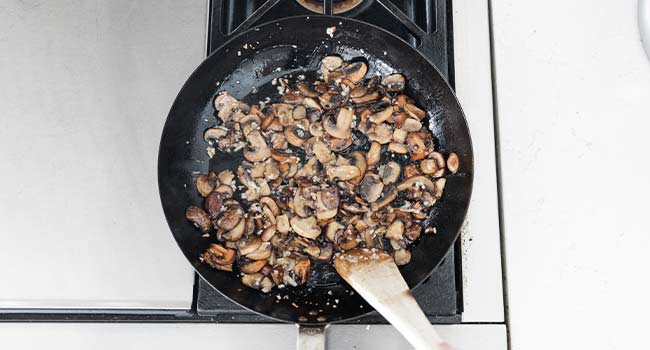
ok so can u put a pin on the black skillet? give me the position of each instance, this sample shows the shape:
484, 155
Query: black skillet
249, 62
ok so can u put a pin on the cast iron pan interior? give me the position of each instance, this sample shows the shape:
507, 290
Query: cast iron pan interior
252, 60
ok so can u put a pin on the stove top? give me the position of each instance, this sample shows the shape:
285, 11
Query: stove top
425, 25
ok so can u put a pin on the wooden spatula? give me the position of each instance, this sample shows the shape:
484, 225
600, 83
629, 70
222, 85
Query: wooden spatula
374, 275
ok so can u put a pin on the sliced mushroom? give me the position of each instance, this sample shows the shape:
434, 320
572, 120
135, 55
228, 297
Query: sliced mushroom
303, 202
271, 171
355, 71
416, 147
257, 149
257, 281
248, 245
205, 183
305, 227
387, 197
307, 89
332, 229
370, 188
313, 105
262, 252
359, 160
292, 98
301, 270
332, 99
440, 186
342, 172
399, 135
347, 239
394, 82
410, 171
249, 123
327, 203
214, 203
382, 115
398, 148
309, 170
296, 135
283, 223
411, 124
370, 96
270, 203
268, 233
402, 257
389, 172
330, 63
251, 266
326, 252
435, 165
381, 133
214, 134
322, 152
417, 182
299, 113
395, 230
199, 218
374, 153
283, 156
413, 232
225, 190
236, 232
340, 128
453, 163
414, 111
231, 215
218, 257
316, 129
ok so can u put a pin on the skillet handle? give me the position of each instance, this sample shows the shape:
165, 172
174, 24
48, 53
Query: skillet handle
311, 338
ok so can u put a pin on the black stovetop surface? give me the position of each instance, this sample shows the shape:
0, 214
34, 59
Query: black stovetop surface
425, 25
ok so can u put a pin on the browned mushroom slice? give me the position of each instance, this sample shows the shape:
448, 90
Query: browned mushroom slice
398, 148
382, 133
338, 145
307, 89
231, 216
283, 112
370, 96
268, 233
370, 188
249, 123
395, 230
262, 252
411, 171
402, 257
237, 232
411, 124
283, 225
205, 183
226, 177
248, 245
222, 99
440, 186
330, 63
296, 135
218, 257
326, 252
414, 111
401, 100
270, 203
435, 165
339, 128
389, 172
416, 147
355, 71
225, 190
382, 115
332, 229
257, 149
417, 182
332, 99
359, 160
399, 135
199, 218
327, 203
257, 281
394, 82
453, 163
251, 266
387, 197
347, 239
316, 129
301, 270
357, 92
342, 172
322, 152
312, 104
309, 170
413, 232
283, 156
214, 203
292, 98
374, 153
305, 227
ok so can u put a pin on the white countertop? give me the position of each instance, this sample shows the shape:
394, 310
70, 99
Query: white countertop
85, 88
573, 88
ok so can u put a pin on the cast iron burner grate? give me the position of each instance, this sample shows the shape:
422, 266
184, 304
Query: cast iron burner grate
425, 25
